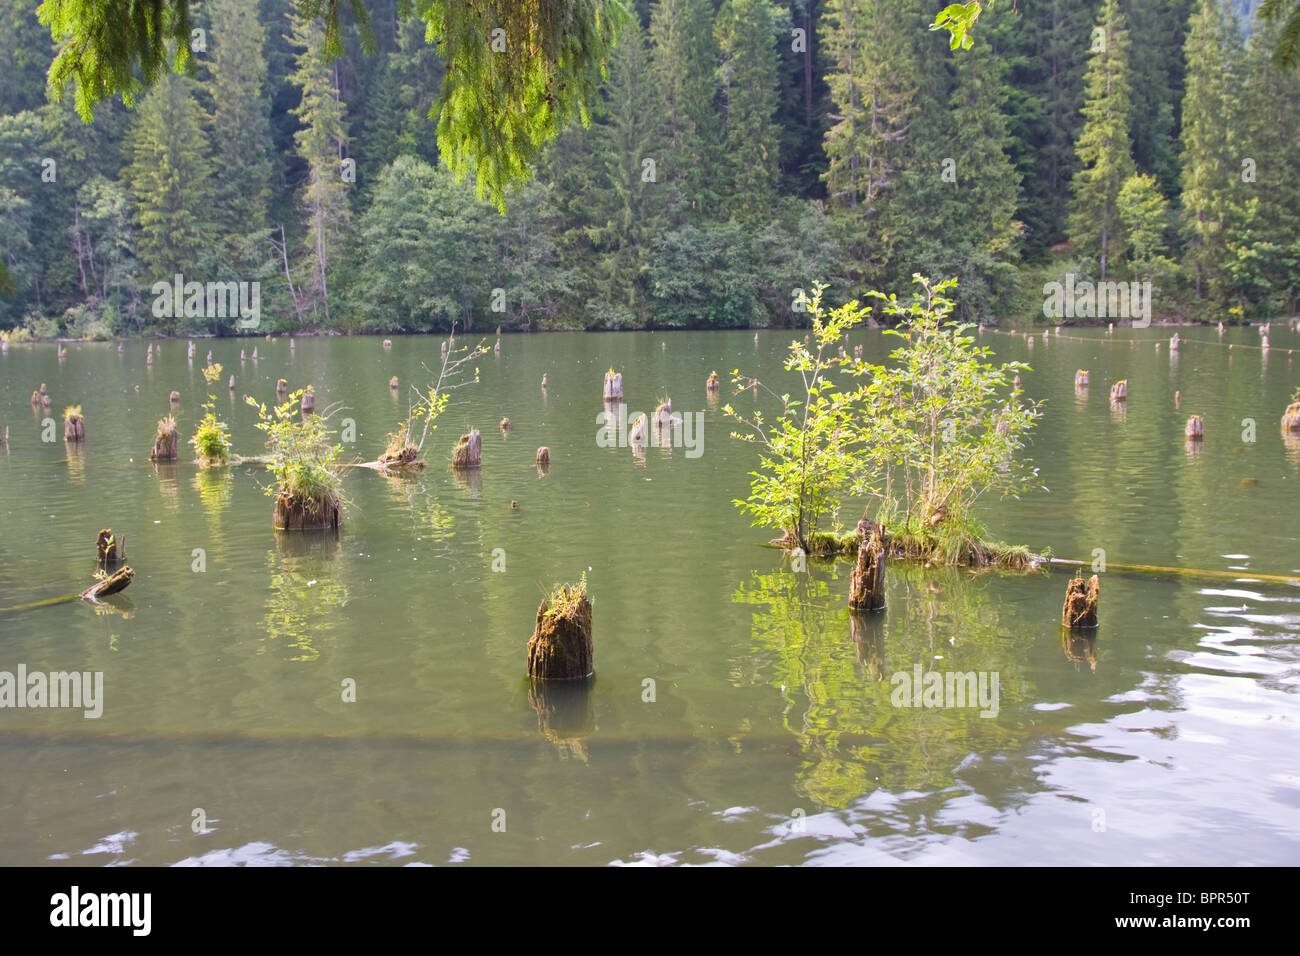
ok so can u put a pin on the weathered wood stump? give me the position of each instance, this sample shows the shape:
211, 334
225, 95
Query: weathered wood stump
1195, 428
543, 456
1080, 610
638, 431
714, 383
1291, 418
1119, 391
281, 389
4, 434
1174, 342
392, 383
117, 581
388, 343
308, 403
468, 452
505, 424
231, 386
294, 514
664, 414
175, 397
543, 380
166, 442
108, 549
74, 426
613, 386
561, 647
1081, 378
867, 584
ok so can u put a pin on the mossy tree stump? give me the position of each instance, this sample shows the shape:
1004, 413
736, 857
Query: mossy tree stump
296, 514
1080, 610
468, 452
867, 584
561, 647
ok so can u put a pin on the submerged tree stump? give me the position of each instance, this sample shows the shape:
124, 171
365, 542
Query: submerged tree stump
613, 386
74, 427
392, 383
867, 584
543, 456
108, 549
295, 514
175, 397
4, 435
1119, 391
663, 417
1195, 428
468, 452
308, 403
1081, 378
714, 383
166, 442
1080, 610
1291, 418
111, 584
561, 647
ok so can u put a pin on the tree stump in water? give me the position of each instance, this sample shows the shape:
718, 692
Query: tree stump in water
308, 403
74, 427
714, 383
663, 417
1081, 378
281, 389
392, 383
108, 550
294, 514
867, 585
1195, 428
561, 647
1080, 608
1291, 418
613, 386
468, 452
166, 441
4, 435
117, 581
1119, 391
543, 456
175, 397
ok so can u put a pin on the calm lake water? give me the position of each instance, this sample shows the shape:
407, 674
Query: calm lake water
771, 737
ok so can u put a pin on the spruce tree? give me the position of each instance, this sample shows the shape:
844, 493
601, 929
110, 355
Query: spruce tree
750, 81
321, 143
1104, 148
170, 176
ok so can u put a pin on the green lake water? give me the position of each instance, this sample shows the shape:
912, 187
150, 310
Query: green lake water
771, 737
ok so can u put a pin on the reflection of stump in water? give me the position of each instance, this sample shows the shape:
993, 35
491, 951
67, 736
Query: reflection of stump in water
565, 712
469, 479
1080, 608
307, 546
1079, 647
561, 645
468, 452
868, 633
867, 584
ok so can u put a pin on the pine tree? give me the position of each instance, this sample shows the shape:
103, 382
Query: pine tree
750, 80
683, 61
1104, 147
321, 143
240, 124
170, 176
1207, 156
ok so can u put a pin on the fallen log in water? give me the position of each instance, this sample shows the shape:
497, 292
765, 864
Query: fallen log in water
110, 584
